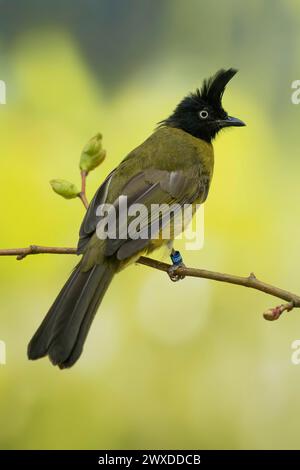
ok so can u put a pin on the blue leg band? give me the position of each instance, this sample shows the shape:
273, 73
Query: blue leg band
176, 257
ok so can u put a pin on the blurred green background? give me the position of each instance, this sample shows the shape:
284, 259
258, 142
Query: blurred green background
187, 365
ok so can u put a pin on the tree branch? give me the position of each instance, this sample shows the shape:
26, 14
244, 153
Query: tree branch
251, 281
21, 253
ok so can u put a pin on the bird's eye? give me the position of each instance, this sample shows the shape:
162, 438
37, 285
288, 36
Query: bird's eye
203, 114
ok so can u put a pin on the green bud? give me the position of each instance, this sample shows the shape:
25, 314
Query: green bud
93, 154
65, 188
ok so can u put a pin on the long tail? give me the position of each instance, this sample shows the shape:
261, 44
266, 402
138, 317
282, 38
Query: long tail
63, 331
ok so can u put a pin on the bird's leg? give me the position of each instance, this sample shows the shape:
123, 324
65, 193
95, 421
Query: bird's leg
177, 261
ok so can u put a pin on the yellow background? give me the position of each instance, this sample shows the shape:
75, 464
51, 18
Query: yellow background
186, 365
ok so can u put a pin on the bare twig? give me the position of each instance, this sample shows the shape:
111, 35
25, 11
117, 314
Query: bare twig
82, 194
250, 281
21, 253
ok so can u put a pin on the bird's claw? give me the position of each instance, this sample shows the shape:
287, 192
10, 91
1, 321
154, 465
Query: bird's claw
172, 272
177, 263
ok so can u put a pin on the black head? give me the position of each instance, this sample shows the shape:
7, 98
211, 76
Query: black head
201, 113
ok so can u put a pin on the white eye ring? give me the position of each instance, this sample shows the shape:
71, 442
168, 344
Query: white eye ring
203, 114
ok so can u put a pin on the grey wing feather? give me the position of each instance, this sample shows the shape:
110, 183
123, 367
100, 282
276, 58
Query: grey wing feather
155, 187
90, 220
150, 186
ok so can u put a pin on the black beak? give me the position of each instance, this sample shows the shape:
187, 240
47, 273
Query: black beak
231, 121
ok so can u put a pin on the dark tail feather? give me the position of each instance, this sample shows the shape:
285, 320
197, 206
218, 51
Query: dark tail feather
63, 331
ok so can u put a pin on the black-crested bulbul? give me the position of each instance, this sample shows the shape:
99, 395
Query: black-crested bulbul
174, 165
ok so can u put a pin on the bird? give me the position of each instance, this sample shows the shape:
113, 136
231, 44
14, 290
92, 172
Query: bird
174, 165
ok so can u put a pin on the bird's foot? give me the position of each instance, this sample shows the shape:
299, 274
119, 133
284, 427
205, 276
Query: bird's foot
177, 263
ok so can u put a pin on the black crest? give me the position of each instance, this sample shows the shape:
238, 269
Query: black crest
213, 88
201, 113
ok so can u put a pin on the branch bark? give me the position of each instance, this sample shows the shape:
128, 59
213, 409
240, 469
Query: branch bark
251, 281
21, 253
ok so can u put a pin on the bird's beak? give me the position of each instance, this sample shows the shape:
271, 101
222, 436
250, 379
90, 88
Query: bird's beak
231, 121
